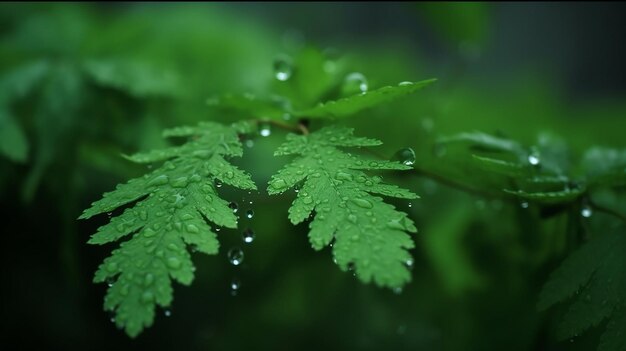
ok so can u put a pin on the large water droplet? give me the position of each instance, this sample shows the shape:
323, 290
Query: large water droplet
354, 83
405, 84
233, 206
343, 176
248, 236
218, 183
406, 156
160, 180
282, 68
362, 203
279, 184
265, 129
235, 256
249, 214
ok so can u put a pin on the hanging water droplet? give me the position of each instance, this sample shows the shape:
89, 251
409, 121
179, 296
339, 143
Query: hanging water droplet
409, 263
406, 156
410, 205
249, 214
354, 83
397, 290
218, 183
265, 129
586, 211
282, 68
233, 206
524, 204
235, 285
248, 236
249, 143
235, 256
167, 313
533, 159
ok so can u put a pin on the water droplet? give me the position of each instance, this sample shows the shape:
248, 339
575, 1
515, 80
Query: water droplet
307, 200
343, 176
410, 205
218, 183
265, 129
248, 236
586, 211
406, 156
192, 228
235, 256
352, 218
397, 290
235, 285
409, 263
362, 203
524, 204
282, 68
249, 214
160, 180
533, 159
279, 184
405, 84
354, 83
173, 263
167, 313
143, 215
233, 206
249, 143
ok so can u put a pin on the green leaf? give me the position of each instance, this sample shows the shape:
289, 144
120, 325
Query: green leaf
550, 198
593, 278
353, 104
366, 233
484, 142
505, 168
174, 205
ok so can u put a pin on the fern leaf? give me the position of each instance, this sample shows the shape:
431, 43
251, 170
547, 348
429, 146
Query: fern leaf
174, 204
369, 234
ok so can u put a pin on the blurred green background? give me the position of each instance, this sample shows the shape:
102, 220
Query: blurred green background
81, 84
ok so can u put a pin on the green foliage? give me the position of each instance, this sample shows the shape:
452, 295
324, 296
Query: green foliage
309, 80
172, 208
366, 234
593, 279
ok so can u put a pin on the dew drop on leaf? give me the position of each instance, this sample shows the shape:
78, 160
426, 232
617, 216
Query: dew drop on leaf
249, 214
354, 83
248, 236
235, 256
406, 156
282, 68
524, 204
265, 129
533, 159
218, 183
362, 203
